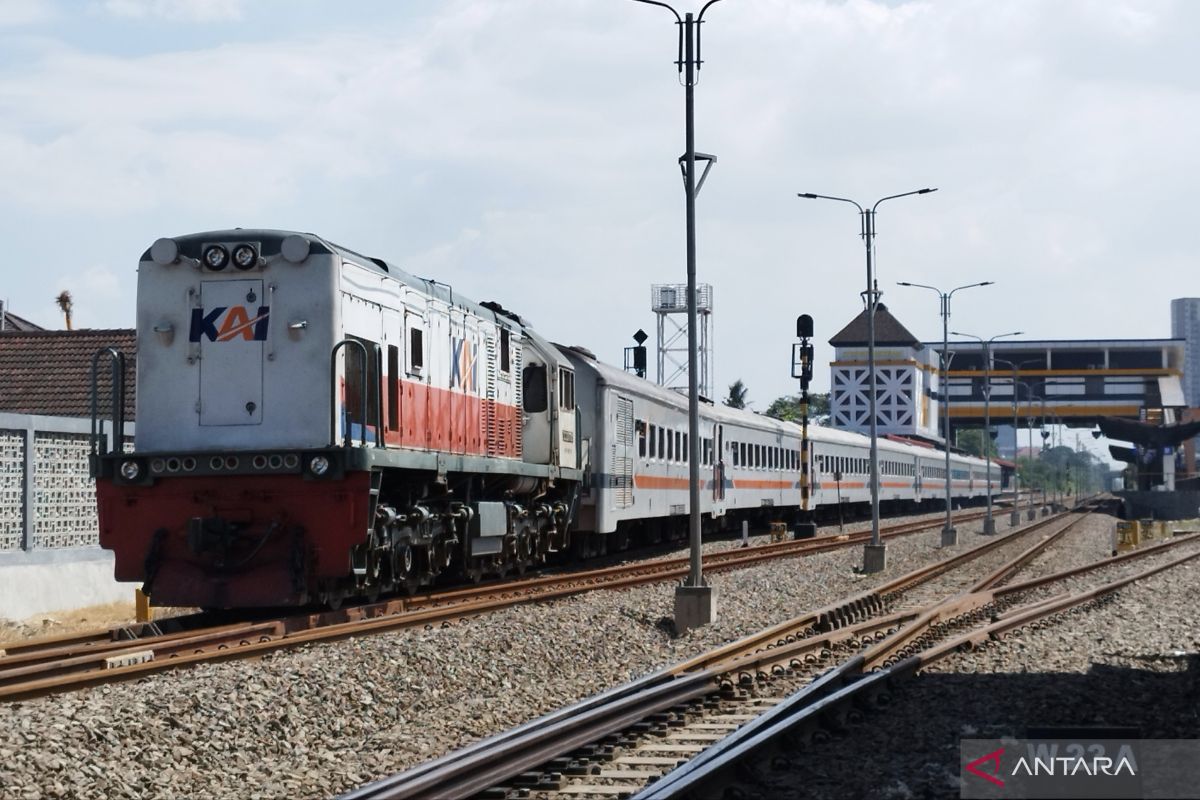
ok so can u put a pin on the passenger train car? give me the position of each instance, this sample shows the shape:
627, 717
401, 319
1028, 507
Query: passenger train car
313, 423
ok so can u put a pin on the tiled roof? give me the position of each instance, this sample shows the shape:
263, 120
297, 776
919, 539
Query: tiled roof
11, 322
49, 372
888, 330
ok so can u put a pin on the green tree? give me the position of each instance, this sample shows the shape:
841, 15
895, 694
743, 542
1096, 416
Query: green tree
787, 408
972, 442
738, 395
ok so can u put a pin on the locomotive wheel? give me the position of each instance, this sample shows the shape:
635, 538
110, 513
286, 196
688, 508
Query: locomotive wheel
404, 561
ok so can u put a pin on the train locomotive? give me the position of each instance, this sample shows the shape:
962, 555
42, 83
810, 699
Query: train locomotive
313, 423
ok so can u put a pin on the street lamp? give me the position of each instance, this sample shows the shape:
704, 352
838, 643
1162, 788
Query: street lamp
989, 524
1014, 518
875, 553
1031, 514
949, 534
695, 601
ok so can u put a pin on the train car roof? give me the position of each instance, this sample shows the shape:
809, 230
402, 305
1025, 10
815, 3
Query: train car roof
269, 241
631, 383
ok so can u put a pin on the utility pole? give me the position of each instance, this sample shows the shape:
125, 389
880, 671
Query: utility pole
949, 534
695, 600
874, 553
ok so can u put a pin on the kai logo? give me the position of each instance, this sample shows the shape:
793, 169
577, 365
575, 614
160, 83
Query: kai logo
464, 366
224, 323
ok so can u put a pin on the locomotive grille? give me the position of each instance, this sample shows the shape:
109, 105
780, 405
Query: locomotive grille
518, 427
491, 431
622, 460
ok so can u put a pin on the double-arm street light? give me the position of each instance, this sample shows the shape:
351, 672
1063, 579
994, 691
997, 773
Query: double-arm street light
695, 602
949, 534
875, 553
1015, 517
989, 524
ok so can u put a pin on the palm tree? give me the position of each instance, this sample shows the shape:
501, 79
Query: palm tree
738, 395
64, 303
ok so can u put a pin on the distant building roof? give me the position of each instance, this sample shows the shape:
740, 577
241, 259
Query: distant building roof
11, 322
888, 330
49, 372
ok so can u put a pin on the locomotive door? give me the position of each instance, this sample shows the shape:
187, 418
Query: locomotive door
393, 337
231, 327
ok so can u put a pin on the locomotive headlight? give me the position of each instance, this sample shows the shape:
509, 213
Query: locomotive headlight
295, 248
319, 465
131, 470
216, 257
244, 256
164, 251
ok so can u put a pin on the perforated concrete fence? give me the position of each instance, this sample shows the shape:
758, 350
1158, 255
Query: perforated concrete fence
47, 499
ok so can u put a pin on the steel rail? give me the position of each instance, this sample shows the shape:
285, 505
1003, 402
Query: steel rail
809, 704
741, 662
138, 634
92, 666
855, 607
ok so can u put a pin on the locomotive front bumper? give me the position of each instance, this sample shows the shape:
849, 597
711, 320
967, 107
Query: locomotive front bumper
249, 531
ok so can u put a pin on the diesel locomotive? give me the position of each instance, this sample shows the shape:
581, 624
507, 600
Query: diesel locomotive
314, 423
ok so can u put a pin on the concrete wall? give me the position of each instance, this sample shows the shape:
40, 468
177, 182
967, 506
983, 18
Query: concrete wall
46, 582
50, 559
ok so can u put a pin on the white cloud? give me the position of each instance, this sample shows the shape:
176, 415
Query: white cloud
19, 13
178, 10
525, 152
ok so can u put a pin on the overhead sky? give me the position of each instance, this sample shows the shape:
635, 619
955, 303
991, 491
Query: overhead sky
525, 151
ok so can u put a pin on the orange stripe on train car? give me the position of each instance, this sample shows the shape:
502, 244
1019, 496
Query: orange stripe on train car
659, 482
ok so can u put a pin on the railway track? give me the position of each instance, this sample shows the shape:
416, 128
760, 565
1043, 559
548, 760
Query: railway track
50, 665
684, 731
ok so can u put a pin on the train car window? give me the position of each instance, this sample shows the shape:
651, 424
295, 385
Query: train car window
416, 349
566, 389
670, 446
533, 387
393, 387
686, 452
641, 434
662, 436
505, 356
653, 441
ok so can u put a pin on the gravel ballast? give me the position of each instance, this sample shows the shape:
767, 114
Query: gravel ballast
324, 718
1128, 662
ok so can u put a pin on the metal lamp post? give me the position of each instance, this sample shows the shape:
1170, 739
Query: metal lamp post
949, 534
875, 553
1031, 513
695, 601
989, 524
1014, 518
